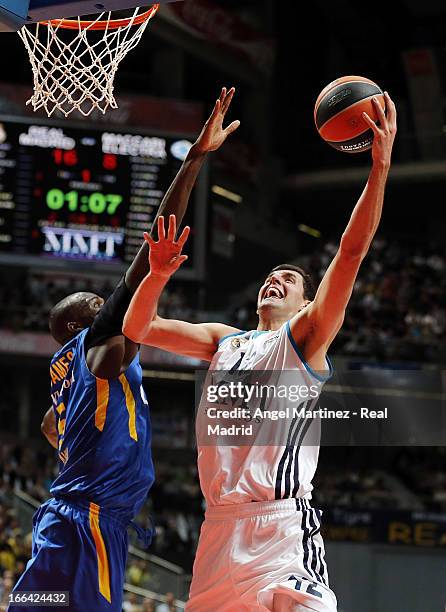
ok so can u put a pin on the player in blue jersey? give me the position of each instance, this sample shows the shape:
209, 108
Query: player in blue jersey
99, 423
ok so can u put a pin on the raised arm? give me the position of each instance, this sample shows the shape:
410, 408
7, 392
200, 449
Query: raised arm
108, 351
175, 201
141, 323
318, 324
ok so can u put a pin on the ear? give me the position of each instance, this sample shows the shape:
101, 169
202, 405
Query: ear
74, 328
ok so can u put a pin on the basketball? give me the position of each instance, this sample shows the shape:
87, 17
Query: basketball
338, 113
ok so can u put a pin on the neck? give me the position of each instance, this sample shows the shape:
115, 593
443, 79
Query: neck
271, 323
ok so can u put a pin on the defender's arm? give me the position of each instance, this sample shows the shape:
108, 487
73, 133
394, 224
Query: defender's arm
107, 350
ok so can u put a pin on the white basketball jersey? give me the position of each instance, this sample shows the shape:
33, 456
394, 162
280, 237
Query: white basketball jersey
261, 471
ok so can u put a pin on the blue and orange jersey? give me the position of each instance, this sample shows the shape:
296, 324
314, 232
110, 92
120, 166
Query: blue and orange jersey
104, 433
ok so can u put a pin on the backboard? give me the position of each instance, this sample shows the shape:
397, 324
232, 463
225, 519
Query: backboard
16, 13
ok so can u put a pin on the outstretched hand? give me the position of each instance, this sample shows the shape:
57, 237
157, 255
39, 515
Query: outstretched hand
165, 254
384, 133
213, 134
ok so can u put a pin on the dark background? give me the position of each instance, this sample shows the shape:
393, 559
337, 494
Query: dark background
396, 319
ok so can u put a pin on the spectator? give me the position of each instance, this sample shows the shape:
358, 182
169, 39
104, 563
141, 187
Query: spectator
137, 573
148, 605
169, 605
7, 586
130, 603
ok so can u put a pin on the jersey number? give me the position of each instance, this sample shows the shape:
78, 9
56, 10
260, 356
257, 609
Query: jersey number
308, 588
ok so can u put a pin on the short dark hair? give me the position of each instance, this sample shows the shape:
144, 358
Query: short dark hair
309, 286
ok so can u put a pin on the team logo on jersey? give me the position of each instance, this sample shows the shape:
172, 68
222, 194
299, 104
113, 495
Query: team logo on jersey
237, 342
273, 337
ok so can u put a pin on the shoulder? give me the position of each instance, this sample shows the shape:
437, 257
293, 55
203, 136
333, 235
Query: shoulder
226, 332
307, 345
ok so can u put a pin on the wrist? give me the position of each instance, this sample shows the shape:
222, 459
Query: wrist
382, 164
159, 277
196, 152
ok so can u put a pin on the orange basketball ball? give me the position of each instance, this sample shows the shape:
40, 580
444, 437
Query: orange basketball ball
338, 113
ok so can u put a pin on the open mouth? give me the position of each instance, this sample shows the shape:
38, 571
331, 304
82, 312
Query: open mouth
273, 292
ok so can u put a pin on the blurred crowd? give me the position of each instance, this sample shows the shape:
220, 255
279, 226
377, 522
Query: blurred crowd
27, 297
15, 545
398, 308
25, 468
397, 311
175, 506
135, 603
30, 468
355, 488
422, 470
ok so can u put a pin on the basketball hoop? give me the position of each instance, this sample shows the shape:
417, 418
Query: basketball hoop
78, 73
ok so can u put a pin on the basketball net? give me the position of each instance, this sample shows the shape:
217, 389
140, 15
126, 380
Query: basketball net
76, 70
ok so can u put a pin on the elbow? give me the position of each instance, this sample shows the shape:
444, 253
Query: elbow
138, 331
130, 333
353, 250
133, 332
45, 428
127, 328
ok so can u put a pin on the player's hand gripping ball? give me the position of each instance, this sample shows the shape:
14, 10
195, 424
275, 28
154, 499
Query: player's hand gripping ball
338, 113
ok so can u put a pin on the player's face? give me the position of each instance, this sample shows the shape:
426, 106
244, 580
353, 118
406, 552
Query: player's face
282, 291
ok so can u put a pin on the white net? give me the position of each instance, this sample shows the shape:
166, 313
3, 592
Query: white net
74, 62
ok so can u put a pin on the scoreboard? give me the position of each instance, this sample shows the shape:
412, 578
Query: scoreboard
76, 196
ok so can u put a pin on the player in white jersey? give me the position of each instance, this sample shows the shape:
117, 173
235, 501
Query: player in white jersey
260, 546
279, 458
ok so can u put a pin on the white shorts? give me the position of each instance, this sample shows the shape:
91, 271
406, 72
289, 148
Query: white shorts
261, 556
